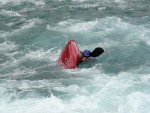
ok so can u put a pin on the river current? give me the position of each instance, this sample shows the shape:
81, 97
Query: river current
32, 35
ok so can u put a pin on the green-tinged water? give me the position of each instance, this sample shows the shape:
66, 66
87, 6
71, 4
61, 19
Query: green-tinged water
32, 35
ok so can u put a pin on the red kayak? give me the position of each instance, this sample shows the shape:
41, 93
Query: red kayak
70, 55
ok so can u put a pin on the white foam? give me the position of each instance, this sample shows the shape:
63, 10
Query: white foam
24, 85
51, 105
31, 23
84, 71
121, 3
79, 0
73, 26
20, 72
3, 34
38, 2
49, 55
18, 2
106, 44
9, 1
39, 55
101, 8
7, 46
144, 35
72, 88
9, 13
12, 62
137, 34
146, 78
137, 102
97, 25
26, 26
118, 92
84, 6
27, 9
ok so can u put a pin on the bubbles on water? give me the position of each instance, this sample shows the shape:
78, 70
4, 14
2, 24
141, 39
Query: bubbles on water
43, 55
135, 103
97, 25
25, 25
28, 64
73, 26
9, 13
18, 2
30, 81
85, 6
7, 46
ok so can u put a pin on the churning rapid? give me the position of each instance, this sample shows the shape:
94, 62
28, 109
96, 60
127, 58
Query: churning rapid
32, 35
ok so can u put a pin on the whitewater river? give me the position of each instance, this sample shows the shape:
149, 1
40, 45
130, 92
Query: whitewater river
32, 35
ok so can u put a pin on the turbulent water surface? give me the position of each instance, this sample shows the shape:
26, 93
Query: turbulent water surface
32, 35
